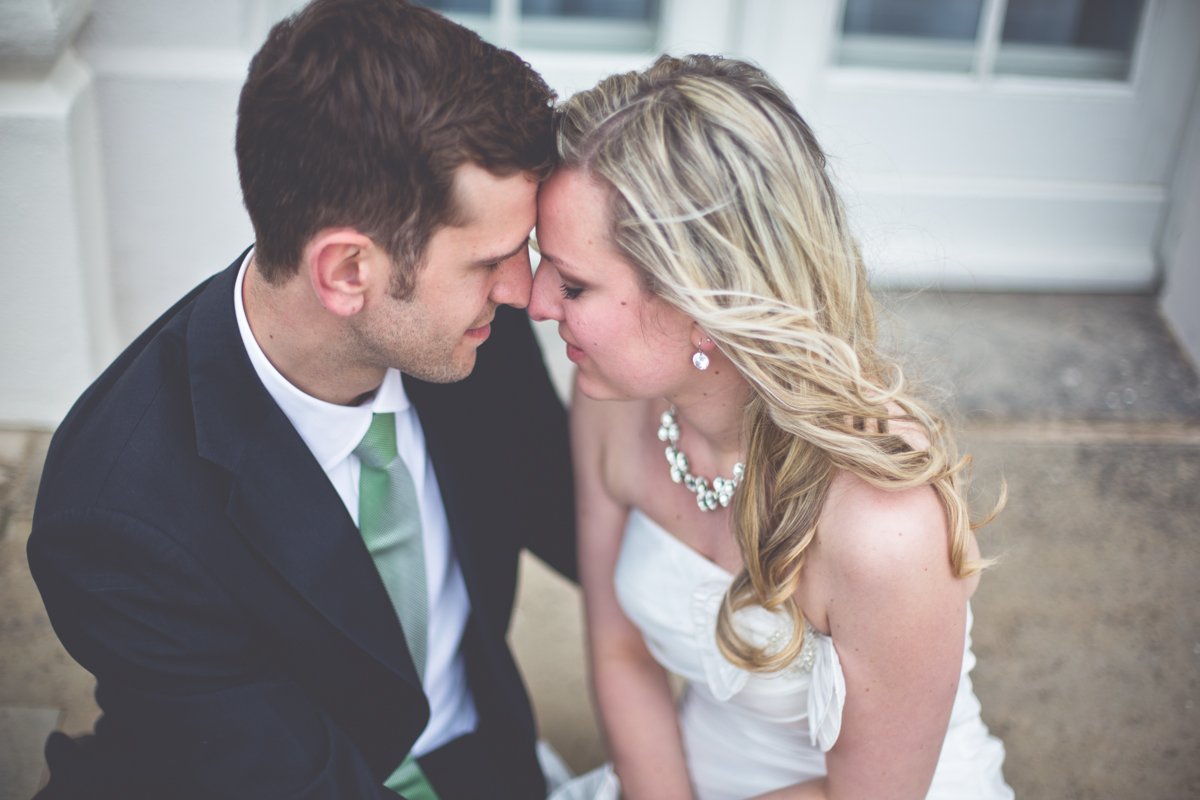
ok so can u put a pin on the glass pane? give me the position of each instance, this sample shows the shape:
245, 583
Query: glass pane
621, 25
457, 6
927, 19
642, 10
1069, 38
628, 25
910, 34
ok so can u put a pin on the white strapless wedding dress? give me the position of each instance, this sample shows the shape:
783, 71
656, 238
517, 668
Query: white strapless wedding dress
747, 733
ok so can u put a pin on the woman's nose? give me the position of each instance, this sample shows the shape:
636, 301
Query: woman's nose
544, 301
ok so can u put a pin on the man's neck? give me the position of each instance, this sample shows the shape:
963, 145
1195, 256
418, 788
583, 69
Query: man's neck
304, 341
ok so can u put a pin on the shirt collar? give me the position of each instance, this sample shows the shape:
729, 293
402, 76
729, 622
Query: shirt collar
331, 431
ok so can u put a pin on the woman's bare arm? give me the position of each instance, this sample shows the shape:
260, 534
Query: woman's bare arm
897, 615
632, 690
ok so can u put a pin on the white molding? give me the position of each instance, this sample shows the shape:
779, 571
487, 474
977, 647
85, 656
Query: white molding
987, 39
970, 186
872, 79
34, 33
961, 232
56, 312
1141, 47
52, 95
506, 21
1016, 270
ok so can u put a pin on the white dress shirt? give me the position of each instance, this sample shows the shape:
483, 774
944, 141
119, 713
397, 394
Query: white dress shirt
331, 433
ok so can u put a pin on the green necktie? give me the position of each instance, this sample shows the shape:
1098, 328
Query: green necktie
389, 521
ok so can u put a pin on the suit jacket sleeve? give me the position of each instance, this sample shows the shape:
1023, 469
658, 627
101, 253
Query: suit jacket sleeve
179, 676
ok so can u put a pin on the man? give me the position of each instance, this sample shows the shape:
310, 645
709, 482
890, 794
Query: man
291, 569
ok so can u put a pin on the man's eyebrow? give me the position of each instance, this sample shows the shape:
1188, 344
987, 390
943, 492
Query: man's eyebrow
506, 256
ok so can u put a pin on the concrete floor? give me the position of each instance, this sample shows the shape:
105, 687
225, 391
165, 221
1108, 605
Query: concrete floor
1087, 633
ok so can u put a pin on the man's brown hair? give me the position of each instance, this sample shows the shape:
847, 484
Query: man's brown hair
358, 112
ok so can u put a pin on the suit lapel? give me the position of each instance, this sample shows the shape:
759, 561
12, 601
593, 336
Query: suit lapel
282, 501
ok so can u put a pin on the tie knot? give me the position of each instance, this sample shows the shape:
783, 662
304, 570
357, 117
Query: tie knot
378, 448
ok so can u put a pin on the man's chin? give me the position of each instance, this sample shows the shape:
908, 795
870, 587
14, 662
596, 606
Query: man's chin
451, 371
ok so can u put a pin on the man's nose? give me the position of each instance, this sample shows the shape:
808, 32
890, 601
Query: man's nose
514, 281
544, 303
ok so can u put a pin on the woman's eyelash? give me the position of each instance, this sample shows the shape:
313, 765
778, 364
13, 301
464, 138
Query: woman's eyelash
570, 292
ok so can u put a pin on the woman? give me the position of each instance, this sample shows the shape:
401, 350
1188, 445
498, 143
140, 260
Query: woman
807, 565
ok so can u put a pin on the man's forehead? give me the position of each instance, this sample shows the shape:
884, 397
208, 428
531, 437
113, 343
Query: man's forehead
477, 190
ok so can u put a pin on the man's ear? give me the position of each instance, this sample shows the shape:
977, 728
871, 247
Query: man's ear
341, 264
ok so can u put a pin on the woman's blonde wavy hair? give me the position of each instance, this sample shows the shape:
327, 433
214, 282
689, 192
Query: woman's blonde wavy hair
721, 201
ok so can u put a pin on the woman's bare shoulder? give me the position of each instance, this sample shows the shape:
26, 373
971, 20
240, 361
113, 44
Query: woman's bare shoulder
869, 533
862, 522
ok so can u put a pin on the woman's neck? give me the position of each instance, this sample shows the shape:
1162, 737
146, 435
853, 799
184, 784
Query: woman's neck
710, 420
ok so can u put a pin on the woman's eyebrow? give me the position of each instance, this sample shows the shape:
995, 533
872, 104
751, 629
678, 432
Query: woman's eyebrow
559, 264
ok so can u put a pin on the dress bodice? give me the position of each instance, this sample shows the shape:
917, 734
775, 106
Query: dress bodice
673, 595
747, 733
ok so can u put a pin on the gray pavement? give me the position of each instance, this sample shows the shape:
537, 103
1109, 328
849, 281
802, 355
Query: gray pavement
1087, 632
1042, 358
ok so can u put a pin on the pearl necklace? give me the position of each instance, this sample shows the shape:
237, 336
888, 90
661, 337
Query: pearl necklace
722, 489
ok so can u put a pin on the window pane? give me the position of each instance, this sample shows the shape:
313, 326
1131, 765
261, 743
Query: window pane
621, 25
927, 19
457, 6
629, 25
910, 34
642, 10
1069, 38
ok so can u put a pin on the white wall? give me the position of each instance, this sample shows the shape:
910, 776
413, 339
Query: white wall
118, 163
56, 313
167, 81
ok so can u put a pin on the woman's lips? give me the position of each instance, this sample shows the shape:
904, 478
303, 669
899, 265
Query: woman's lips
574, 353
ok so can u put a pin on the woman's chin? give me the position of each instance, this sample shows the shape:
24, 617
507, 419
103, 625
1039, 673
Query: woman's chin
591, 390
594, 388
598, 389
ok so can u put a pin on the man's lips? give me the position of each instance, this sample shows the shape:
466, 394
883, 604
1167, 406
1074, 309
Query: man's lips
481, 332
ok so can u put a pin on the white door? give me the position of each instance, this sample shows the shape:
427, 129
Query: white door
1026, 144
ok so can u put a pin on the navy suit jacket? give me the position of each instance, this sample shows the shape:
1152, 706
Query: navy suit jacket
193, 555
